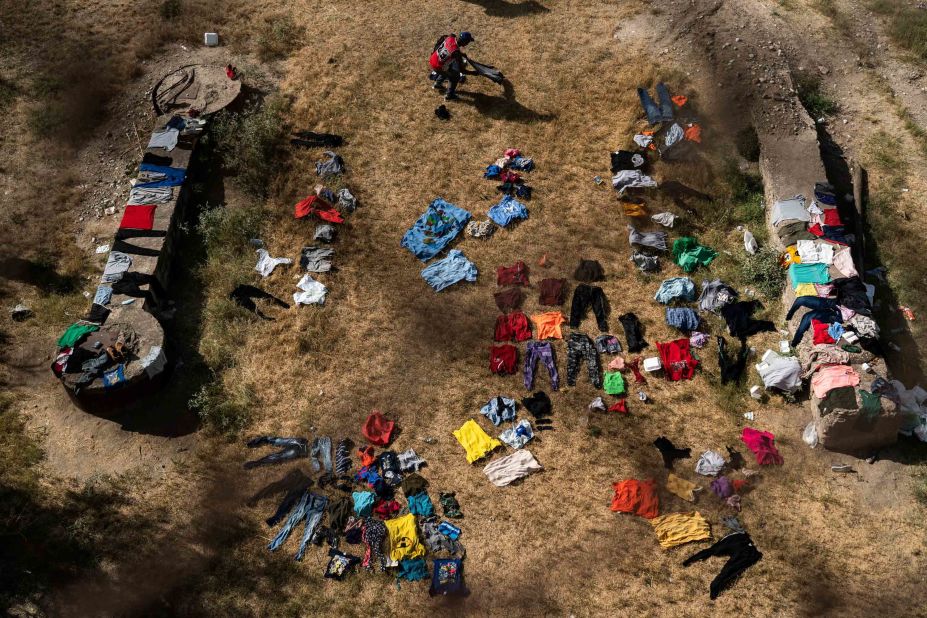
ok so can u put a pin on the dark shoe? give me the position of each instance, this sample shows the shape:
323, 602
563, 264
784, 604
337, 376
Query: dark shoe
442, 112
451, 96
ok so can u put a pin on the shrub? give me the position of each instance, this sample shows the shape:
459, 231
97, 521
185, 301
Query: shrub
247, 142
223, 410
816, 102
763, 271
170, 9
277, 37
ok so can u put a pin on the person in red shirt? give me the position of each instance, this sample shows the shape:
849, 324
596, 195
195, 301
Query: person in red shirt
447, 61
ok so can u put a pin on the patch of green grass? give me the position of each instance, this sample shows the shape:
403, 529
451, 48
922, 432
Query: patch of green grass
276, 37
763, 272
907, 24
248, 142
224, 409
885, 153
812, 98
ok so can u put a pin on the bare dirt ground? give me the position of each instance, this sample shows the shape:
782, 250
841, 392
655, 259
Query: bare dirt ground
833, 544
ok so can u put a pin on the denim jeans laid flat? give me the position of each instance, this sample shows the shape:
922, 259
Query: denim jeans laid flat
315, 509
321, 452
291, 448
661, 113
823, 315
811, 302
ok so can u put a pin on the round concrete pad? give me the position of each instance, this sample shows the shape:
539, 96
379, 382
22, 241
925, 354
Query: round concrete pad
205, 88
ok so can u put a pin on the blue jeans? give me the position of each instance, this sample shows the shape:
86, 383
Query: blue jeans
321, 452
811, 302
655, 114
295, 515
291, 448
315, 509
823, 315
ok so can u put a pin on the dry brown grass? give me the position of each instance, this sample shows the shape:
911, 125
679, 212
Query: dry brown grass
548, 546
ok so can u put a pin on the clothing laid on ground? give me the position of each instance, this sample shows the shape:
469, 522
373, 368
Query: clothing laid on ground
740, 322
741, 554
450, 270
266, 264
512, 327
654, 240
678, 363
552, 291
290, 448
589, 271
157, 176
680, 528
476, 442
657, 114
625, 160
646, 263
481, 229
716, 295
689, 254
614, 383
731, 369
373, 535
607, 344
851, 293
499, 409
780, 372
502, 359
437, 227
510, 468
332, 166
509, 298
518, 435
537, 404
808, 273
320, 455
116, 264
580, 347
315, 205
814, 252
585, 296
139, 196
75, 333
790, 233
824, 316
636, 497
709, 463
540, 350
677, 288
763, 446
669, 452
811, 302
790, 210
666, 219
403, 538
138, 217
830, 377
311, 292
681, 487
547, 325
316, 259
632, 179
378, 429
682, 318
633, 332
508, 209
516, 274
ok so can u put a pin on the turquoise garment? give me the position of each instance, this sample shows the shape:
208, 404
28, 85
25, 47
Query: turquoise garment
420, 504
437, 227
413, 569
363, 503
808, 273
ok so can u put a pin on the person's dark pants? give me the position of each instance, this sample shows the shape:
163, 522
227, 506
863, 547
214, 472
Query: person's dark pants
823, 315
291, 448
452, 75
583, 296
811, 302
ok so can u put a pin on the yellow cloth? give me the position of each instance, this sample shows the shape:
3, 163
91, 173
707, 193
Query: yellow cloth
679, 528
681, 487
790, 257
403, 538
805, 289
634, 210
475, 441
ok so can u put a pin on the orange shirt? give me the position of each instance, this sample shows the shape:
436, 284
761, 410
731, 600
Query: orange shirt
547, 325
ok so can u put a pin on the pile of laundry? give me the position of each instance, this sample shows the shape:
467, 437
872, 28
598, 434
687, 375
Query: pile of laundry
378, 515
327, 208
730, 481
443, 221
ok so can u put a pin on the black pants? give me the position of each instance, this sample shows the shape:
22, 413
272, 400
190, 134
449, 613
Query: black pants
633, 332
584, 296
451, 74
731, 370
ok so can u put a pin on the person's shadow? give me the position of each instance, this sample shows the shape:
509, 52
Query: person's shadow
503, 107
501, 8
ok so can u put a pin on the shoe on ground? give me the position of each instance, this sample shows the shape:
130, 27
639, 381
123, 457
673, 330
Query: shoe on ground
451, 97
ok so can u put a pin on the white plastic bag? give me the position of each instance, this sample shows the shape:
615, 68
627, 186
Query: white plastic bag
810, 435
750, 244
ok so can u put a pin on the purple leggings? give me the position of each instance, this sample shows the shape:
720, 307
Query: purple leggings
540, 350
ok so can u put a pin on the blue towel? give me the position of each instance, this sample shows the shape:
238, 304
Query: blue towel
681, 288
682, 318
445, 273
437, 226
173, 176
507, 210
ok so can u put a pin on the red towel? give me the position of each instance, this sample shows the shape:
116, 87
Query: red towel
762, 445
378, 429
314, 205
139, 217
636, 497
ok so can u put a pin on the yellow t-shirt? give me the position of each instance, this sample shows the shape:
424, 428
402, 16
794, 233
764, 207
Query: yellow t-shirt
679, 528
681, 487
475, 441
403, 538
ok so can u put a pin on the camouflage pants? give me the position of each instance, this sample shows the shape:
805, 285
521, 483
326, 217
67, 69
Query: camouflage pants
579, 346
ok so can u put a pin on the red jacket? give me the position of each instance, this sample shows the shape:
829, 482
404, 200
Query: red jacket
442, 56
